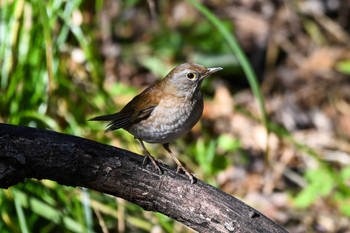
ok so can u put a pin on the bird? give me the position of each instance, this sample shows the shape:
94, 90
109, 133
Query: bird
164, 111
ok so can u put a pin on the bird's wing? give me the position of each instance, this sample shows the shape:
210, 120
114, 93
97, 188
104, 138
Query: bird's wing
126, 118
138, 109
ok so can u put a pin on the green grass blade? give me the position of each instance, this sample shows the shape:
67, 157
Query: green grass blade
48, 43
86, 201
20, 213
47, 120
47, 211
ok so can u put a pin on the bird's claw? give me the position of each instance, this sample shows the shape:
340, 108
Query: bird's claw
154, 162
189, 175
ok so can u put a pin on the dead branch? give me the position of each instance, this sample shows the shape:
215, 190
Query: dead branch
41, 154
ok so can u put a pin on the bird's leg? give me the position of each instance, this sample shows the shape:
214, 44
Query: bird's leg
179, 164
149, 156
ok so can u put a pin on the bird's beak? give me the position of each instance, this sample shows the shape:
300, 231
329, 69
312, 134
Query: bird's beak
211, 71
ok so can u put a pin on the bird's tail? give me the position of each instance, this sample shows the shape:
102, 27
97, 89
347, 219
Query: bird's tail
109, 117
117, 120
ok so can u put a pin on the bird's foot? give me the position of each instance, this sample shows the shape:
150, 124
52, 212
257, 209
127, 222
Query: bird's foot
154, 162
189, 174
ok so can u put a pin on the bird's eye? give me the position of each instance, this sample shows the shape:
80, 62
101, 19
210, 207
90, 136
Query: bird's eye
191, 75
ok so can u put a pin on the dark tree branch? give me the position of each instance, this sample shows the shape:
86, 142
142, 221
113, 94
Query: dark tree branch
41, 154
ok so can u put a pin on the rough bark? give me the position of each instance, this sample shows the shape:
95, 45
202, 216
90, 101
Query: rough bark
41, 154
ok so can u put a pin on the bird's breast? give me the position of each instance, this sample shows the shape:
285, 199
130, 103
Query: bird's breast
172, 118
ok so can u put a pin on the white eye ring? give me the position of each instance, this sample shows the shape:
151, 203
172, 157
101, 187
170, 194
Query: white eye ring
191, 75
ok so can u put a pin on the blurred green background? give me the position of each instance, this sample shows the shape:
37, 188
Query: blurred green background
63, 62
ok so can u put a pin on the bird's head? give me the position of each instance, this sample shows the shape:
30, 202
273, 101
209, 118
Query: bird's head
187, 78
